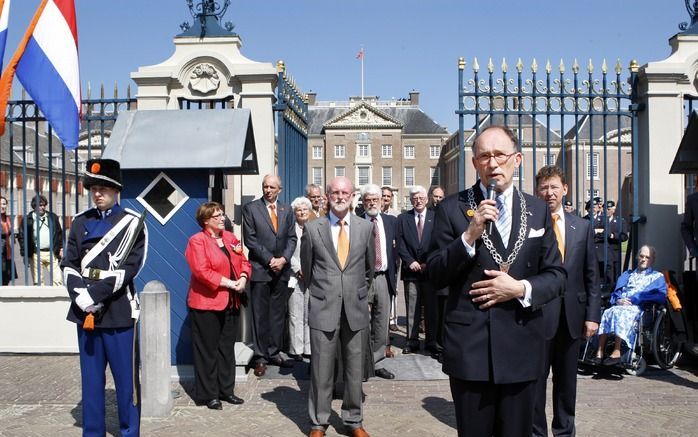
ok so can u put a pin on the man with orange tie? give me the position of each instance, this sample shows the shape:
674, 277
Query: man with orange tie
338, 262
569, 317
270, 236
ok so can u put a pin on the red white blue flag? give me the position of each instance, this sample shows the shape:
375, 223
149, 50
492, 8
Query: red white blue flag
4, 14
46, 63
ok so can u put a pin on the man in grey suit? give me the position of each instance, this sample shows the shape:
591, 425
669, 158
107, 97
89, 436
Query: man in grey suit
270, 236
337, 259
569, 317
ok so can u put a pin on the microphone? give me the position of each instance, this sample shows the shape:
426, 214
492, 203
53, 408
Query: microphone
491, 195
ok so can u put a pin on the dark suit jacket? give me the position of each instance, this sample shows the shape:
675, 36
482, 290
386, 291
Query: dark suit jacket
617, 233
408, 245
390, 229
56, 234
581, 299
263, 243
689, 225
505, 343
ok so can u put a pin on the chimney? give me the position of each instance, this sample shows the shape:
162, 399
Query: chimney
414, 97
310, 97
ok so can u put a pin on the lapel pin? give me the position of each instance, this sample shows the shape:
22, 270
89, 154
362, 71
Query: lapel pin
470, 213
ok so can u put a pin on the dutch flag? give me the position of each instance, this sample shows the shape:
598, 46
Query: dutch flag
46, 63
4, 14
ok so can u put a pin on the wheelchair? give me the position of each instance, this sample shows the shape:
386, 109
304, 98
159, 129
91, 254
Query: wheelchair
660, 334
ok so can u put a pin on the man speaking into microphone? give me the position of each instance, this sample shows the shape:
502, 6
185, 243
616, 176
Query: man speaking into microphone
498, 280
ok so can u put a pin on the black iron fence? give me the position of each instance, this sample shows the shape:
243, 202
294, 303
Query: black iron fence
35, 170
585, 122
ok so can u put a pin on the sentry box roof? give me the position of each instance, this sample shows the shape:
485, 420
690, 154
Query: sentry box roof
168, 139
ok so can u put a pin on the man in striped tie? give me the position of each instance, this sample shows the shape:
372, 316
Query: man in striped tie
338, 259
571, 317
499, 277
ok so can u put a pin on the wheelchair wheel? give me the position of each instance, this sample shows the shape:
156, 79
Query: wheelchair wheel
665, 348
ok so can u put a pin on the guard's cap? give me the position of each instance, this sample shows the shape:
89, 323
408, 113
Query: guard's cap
105, 172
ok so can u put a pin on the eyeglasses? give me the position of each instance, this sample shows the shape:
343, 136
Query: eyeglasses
217, 216
500, 157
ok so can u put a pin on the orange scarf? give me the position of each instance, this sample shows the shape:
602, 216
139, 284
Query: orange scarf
6, 228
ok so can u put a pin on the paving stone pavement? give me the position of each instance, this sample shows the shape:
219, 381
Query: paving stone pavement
40, 396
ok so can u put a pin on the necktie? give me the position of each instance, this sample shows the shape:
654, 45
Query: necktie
503, 220
342, 245
420, 227
558, 236
377, 243
274, 218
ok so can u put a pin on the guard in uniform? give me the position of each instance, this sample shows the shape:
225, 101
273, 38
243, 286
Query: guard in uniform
617, 234
105, 251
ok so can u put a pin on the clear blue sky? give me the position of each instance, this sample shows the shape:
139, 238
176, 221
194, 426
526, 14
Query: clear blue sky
409, 44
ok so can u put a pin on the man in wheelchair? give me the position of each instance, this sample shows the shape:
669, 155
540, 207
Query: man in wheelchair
634, 289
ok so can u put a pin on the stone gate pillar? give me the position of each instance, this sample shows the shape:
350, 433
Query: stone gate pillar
662, 86
207, 65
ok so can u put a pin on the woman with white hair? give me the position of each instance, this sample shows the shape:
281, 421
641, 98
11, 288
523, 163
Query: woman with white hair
298, 329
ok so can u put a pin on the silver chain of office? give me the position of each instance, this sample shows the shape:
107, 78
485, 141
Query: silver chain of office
503, 266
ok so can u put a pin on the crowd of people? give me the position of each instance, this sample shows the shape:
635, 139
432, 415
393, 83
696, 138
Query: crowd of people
504, 286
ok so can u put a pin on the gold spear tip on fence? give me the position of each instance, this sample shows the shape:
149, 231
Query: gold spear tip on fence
116, 90
128, 92
619, 66
461, 63
89, 90
280, 66
590, 66
476, 65
634, 66
534, 66
561, 67
101, 91
490, 66
505, 66
519, 65
604, 67
575, 66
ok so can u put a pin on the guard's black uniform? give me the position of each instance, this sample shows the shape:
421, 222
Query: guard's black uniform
101, 282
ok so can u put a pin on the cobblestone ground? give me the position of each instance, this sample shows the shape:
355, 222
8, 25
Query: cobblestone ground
40, 396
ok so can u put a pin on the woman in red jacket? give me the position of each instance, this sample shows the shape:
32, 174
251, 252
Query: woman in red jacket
219, 273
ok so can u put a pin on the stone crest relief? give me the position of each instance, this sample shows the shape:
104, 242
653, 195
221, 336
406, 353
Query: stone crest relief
204, 78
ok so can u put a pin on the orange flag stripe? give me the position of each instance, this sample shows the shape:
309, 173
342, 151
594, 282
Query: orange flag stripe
9, 74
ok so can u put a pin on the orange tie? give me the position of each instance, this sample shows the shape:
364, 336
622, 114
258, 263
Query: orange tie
274, 218
558, 236
342, 245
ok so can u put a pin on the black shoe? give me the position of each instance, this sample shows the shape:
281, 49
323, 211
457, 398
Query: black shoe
409, 350
595, 360
611, 361
214, 404
384, 373
296, 357
277, 361
232, 399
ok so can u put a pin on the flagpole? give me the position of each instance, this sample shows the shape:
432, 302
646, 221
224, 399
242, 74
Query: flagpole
362, 74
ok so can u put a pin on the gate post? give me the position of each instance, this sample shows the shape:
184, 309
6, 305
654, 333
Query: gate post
661, 197
156, 393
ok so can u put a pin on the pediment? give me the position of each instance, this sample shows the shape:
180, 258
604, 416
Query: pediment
363, 116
